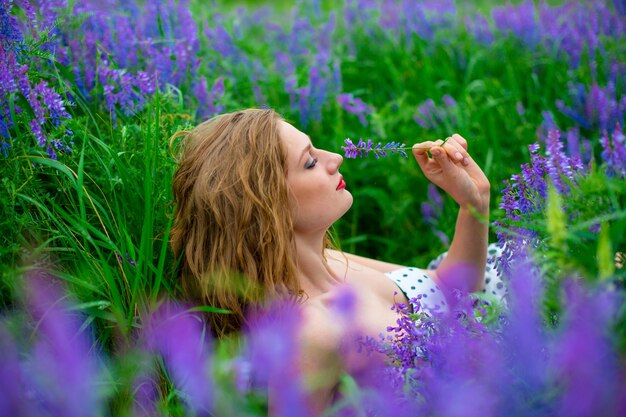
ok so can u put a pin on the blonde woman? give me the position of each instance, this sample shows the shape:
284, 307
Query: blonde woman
254, 202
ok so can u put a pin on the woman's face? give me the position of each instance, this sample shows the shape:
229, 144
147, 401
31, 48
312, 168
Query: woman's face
313, 177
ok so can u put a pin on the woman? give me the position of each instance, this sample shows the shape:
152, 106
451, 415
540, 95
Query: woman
254, 202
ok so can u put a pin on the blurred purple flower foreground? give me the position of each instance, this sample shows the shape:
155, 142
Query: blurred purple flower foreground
449, 364
453, 365
60, 375
179, 337
272, 353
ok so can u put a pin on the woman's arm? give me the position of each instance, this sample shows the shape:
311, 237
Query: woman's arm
453, 169
469, 248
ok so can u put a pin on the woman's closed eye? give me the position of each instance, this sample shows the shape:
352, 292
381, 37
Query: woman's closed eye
310, 163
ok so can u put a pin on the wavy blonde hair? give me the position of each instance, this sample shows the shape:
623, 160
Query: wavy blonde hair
233, 230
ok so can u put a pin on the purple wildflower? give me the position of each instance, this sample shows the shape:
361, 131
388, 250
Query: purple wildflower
273, 360
569, 28
478, 26
4, 147
46, 104
525, 193
301, 35
574, 27
614, 151
423, 18
432, 210
436, 355
434, 196
363, 149
429, 116
209, 99
451, 364
179, 337
66, 370
548, 123
425, 114
222, 42
355, 106
13, 398
518, 20
130, 260
308, 48
126, 49
61, 146
573, 145
242, 370
311, 97
390, 15
449, 101
599, 107
146, 395
344, 303
402, 20
525, 338
428, 213
10, 33
558, 166
591, 386
53, 102
124, 90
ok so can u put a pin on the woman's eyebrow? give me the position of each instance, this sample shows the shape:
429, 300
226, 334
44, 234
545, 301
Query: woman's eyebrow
305, 150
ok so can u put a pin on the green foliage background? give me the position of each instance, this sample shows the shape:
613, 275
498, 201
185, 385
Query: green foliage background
112, 195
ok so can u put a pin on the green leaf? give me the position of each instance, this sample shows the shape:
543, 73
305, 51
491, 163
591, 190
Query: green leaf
606, 265
209, 309
555, 218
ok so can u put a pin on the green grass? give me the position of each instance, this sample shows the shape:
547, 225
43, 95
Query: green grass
112, 195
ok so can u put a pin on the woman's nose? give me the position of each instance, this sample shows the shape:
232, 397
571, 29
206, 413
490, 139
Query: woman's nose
335, 161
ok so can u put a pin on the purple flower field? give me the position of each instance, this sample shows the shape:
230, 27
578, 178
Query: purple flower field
91, 319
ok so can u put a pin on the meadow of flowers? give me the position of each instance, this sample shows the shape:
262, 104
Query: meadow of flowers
91, 92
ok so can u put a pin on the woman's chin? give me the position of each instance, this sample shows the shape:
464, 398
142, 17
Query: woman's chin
348, 203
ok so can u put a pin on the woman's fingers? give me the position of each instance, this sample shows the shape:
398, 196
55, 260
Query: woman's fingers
454, 148
460, 140
420, 151
441, 156
469, 163
456, 151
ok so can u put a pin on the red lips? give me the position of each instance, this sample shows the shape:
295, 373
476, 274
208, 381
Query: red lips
342, 184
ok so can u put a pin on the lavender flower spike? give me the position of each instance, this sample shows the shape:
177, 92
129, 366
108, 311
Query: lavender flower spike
362, 149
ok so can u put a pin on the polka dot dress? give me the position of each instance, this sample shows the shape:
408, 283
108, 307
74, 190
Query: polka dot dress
415, 283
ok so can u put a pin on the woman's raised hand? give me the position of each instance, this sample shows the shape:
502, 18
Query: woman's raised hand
452, 169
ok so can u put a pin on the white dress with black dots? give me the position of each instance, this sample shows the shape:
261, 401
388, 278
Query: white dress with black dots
415, 283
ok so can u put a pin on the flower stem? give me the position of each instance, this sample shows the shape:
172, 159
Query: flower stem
363, 148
